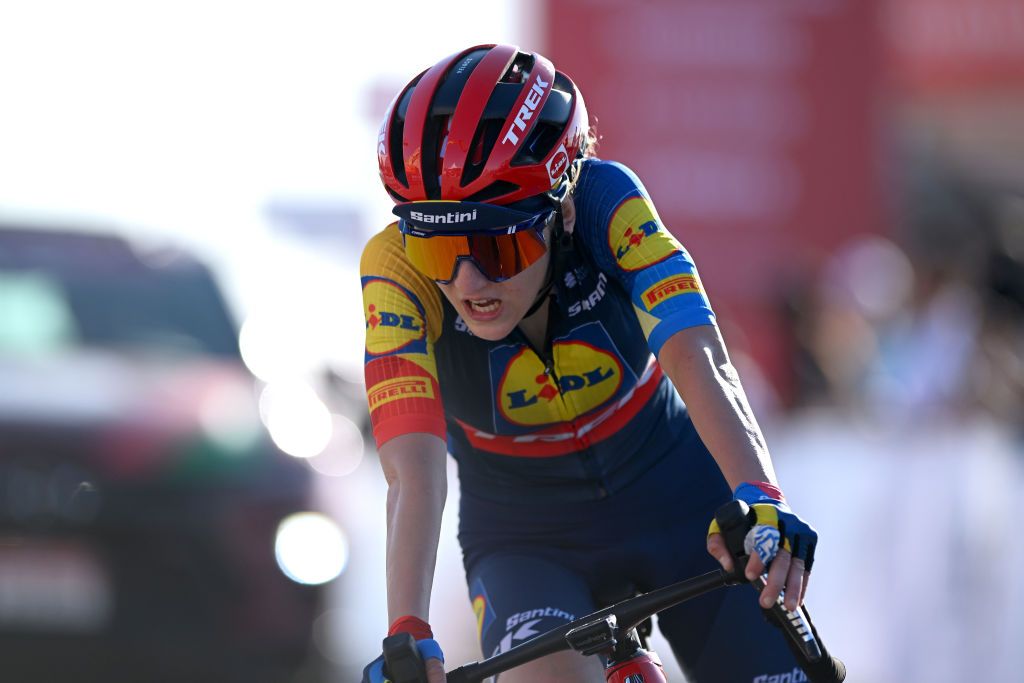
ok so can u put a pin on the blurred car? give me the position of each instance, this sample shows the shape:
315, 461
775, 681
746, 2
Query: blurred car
141, 500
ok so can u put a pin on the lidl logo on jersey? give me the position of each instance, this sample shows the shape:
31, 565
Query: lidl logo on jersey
635, 237
669, 287
389, 319
394, 319
585, 375
398, 388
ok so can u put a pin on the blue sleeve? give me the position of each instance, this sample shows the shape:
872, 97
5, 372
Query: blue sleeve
619, 226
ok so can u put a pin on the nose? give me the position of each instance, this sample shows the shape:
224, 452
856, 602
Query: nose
468, 278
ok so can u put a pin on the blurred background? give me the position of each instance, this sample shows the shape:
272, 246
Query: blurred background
188, 491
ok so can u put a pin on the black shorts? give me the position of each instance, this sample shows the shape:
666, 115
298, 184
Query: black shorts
531, 568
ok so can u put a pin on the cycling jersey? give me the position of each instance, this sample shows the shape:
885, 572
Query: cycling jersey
581, 417
564, 447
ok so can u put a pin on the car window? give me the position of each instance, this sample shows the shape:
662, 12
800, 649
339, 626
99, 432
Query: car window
178, 311
34, 315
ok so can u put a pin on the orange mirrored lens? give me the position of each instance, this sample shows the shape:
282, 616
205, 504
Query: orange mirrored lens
436, 256
499, 257
503, 256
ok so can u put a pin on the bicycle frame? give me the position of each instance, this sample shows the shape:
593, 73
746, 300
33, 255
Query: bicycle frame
611, 632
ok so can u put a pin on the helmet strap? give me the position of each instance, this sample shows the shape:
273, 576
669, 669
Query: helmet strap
559, 240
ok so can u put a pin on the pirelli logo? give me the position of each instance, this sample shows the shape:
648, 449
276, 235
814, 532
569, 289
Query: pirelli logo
668, 288
398, 388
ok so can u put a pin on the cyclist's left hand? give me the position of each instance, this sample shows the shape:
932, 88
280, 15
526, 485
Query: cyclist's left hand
789, 567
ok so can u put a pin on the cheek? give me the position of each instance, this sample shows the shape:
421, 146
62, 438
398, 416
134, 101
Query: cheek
449, 292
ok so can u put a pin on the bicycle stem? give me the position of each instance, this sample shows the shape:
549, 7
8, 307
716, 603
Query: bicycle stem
628, 613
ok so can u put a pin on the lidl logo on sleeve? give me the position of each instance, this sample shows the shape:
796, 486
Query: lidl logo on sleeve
586, 378
397, 388
665, 289
394, 319
635, 238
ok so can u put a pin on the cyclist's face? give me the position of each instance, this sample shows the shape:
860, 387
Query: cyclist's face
493, 309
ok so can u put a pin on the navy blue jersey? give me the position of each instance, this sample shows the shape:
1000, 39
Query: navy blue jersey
577, 419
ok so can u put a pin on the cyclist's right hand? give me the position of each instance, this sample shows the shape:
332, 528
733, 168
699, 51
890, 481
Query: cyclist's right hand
429, 649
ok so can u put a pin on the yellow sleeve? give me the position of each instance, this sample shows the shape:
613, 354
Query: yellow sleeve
403, 316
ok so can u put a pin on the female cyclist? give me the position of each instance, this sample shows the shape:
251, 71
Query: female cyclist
530, 314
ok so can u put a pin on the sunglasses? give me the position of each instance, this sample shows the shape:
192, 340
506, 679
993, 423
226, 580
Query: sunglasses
499, 253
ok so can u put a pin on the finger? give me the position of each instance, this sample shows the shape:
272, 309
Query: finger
435, 671
755, 567
776, 578
795, 584
803, 586
717, 549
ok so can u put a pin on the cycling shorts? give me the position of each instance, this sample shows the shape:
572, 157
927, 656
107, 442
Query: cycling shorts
532, 568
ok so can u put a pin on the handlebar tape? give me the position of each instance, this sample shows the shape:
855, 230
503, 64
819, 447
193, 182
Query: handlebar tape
735, 519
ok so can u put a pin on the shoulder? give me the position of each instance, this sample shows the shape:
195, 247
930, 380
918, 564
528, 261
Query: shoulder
391, 283
384, 257
382, 251
602, 190
601, 177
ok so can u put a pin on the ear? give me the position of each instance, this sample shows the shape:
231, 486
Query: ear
568, 210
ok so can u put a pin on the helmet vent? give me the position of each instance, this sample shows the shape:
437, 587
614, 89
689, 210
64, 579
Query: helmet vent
397, 132
499, 188
519, 69
483, 142
394, 195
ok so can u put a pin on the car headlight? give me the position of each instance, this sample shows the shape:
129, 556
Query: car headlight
310, 548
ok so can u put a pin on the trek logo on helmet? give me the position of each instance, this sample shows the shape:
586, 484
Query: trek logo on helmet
525, 112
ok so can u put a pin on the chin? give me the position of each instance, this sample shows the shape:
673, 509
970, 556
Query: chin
491, 331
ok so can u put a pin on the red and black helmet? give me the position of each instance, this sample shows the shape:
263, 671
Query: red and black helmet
488, 124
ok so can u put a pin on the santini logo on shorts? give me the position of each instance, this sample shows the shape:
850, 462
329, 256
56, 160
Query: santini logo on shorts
526, 111
794, 676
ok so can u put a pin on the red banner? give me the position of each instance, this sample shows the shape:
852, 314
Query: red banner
754, 126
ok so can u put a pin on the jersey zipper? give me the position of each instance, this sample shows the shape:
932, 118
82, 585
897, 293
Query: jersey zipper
546, 357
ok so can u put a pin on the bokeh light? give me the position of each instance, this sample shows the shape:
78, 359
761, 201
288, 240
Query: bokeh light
344, 453
310, 548
298, 421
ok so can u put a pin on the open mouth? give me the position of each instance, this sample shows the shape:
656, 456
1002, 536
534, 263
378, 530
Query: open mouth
483, 309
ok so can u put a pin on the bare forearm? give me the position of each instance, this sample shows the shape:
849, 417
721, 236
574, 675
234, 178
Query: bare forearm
698, 364
415, 469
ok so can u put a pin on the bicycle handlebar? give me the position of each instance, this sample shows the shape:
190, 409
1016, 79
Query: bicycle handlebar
628, 613
802, 637
735, 519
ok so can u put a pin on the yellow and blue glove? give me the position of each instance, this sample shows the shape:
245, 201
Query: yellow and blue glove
776, 525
